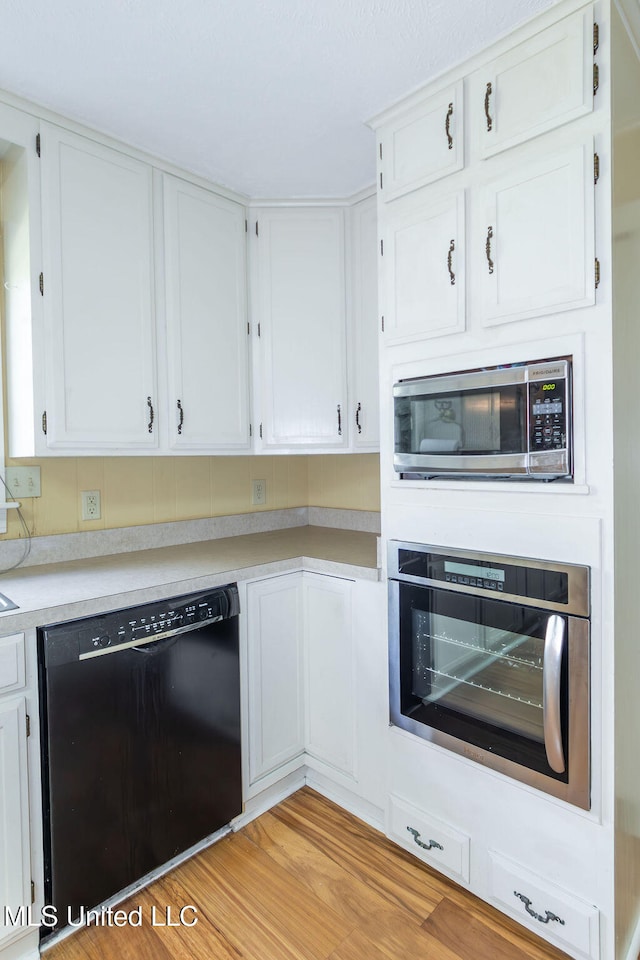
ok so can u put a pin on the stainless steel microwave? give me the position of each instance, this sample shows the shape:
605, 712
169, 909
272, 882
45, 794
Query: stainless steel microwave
508, 423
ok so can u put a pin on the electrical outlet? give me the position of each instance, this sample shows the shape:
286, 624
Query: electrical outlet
91, 505
259, 495
23, 481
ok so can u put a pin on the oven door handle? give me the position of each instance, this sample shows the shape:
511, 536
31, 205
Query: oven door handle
551, 674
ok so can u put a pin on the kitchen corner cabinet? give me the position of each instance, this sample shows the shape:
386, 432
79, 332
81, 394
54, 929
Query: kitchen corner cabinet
15, 876
299, 307
98, 290
207, 328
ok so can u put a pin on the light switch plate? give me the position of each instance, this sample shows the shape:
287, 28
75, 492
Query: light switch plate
23, 481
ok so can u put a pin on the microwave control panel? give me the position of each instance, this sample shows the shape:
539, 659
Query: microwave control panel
548, 415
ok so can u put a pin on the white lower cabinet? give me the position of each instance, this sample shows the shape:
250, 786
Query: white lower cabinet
437, 843
275, 682
14, 815
547, 909
316, 693
330, 696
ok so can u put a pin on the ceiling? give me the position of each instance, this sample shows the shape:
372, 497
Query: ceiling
267, 97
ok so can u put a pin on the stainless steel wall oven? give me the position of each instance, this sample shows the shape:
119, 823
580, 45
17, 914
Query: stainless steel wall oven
489, 657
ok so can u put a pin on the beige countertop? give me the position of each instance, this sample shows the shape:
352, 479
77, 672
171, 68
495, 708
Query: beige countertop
52, 592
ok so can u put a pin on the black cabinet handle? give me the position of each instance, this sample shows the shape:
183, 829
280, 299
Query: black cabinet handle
151, 415
181, 420
431, 845
487, 248
537, 916
358, 409
447, 126
339, 421
488, 93
452, 276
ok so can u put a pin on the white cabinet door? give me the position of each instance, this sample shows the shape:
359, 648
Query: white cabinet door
423, 267
364, 399
205, 274
538, 85
423, 144
98, 295
300, 307
536, 255
330, 683
14, 812
275, 635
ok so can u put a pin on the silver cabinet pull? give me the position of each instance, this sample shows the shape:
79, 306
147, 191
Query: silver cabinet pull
548, 915
487, 248
452, 276
431, 845
447, 126
551, 671
487, 94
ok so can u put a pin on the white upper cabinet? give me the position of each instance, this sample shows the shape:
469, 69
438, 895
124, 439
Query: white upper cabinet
422, 144
538, 242
300, 307
207, 330
363, 370
98, 296
536, 86
423, 266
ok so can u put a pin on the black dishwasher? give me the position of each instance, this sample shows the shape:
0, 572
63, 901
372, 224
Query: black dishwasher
140, 723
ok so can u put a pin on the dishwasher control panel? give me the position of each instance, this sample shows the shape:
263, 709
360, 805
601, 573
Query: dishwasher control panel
94, 636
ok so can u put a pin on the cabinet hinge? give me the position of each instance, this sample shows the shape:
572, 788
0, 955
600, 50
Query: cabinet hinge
596, 168
596, 78
261, 431
41, 284
33, 892
596, 38
257, 229
383, 324
597, 273
381, 179
44, 422
28, 718
38, 144
382, 248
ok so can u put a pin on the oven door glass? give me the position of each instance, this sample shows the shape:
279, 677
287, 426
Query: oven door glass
477, 668
491, 421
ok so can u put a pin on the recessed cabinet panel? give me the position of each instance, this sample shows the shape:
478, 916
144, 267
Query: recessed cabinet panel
423, 144
329, 672
205, 269
424, 269
365, 403
276, 732
98, 295
437, 843
301, 312
536, 86
14, 825
537, 248
548, 910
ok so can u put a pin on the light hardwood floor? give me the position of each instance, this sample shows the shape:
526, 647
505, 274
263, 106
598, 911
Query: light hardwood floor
307, 881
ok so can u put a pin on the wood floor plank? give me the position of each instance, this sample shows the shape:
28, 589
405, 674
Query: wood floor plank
363, 851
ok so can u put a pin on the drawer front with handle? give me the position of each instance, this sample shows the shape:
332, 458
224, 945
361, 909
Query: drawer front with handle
433, 841
546, 909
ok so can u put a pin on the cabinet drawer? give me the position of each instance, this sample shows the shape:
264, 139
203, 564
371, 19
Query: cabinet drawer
12, 675
437, 843
546, 909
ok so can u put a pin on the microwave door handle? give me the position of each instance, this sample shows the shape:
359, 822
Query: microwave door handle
551, 712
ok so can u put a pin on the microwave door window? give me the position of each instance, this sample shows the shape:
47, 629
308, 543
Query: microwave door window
468, 422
